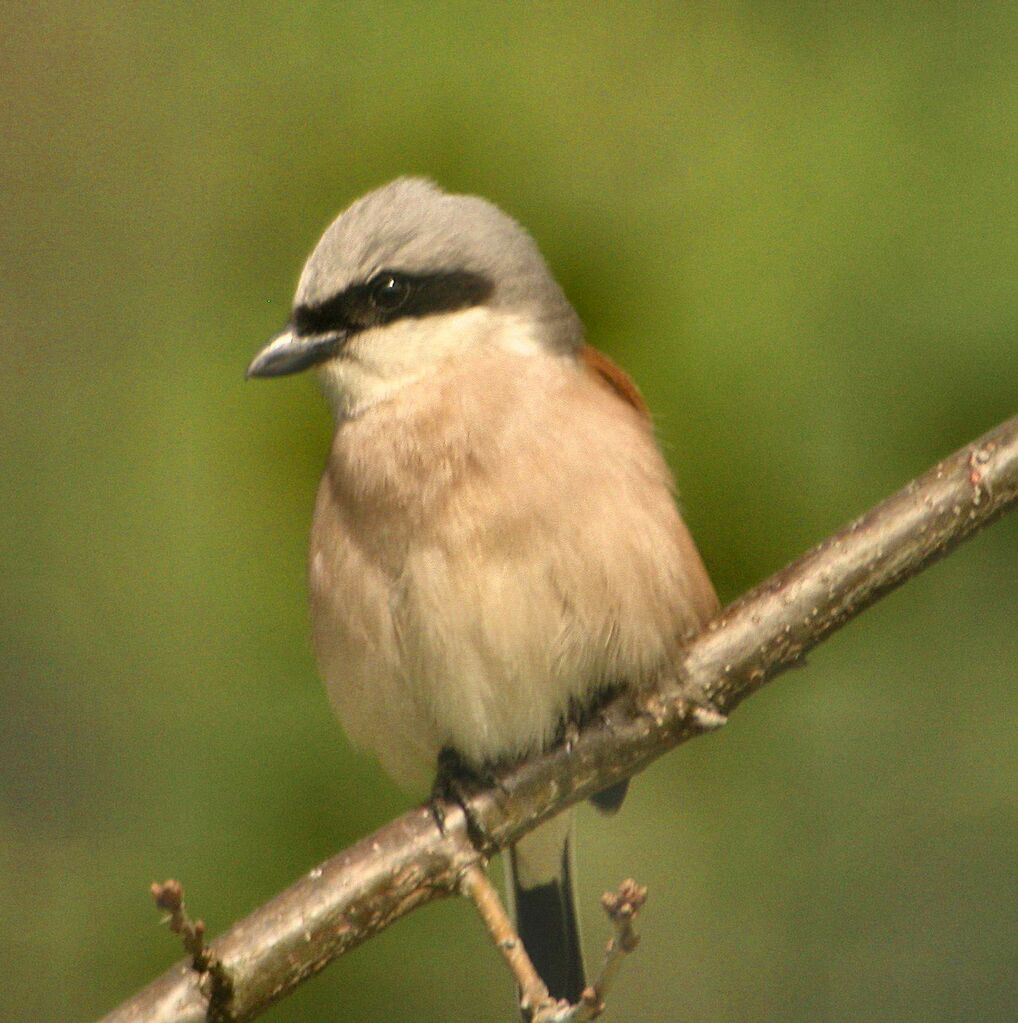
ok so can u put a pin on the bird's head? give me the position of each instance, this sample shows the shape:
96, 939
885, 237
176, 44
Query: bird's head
407, 278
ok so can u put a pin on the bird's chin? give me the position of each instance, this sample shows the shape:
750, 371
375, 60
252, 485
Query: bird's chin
352, 386
336, 378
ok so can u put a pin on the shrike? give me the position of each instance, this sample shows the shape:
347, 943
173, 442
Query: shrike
495, 540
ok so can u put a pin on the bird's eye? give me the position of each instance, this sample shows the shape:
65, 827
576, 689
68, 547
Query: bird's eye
388, 290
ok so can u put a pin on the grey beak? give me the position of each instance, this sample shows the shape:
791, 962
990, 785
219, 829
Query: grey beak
289, 353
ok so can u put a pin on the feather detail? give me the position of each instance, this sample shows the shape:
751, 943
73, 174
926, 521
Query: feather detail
614, 378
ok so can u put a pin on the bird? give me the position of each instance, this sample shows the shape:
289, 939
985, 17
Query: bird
496, 540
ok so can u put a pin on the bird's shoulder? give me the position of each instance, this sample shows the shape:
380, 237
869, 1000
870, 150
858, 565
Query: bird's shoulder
613, 377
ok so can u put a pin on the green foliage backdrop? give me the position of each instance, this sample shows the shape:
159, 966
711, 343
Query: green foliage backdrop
793, 223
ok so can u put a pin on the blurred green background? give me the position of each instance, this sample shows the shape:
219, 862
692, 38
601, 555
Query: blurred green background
794, 224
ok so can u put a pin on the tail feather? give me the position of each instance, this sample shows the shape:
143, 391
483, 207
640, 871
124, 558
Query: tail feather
541, 886
609, 800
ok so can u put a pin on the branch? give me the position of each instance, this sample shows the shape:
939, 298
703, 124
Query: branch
409, 862
169, 896
622, 907
536, 1005
480, 891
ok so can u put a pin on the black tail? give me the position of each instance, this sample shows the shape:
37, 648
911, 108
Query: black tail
545, 916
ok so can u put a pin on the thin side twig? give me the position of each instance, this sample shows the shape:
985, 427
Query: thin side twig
622, 907
216, 982
477, 887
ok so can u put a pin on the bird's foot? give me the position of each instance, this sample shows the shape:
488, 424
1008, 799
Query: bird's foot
455, 781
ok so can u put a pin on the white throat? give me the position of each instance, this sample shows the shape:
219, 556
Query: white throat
378, 363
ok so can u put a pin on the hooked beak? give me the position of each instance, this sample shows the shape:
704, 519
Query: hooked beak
287, 352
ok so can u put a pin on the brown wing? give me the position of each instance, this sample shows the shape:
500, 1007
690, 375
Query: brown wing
614, 378
702, 593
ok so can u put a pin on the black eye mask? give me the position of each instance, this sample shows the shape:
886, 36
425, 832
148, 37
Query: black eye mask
392, 295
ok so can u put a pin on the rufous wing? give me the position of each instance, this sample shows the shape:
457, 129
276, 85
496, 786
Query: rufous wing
619, 382
614, 378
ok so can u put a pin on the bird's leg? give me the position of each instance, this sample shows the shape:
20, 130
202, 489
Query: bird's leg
455, 781
610, 799
570, 734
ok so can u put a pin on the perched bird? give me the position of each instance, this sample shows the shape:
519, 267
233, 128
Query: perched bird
495, 539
